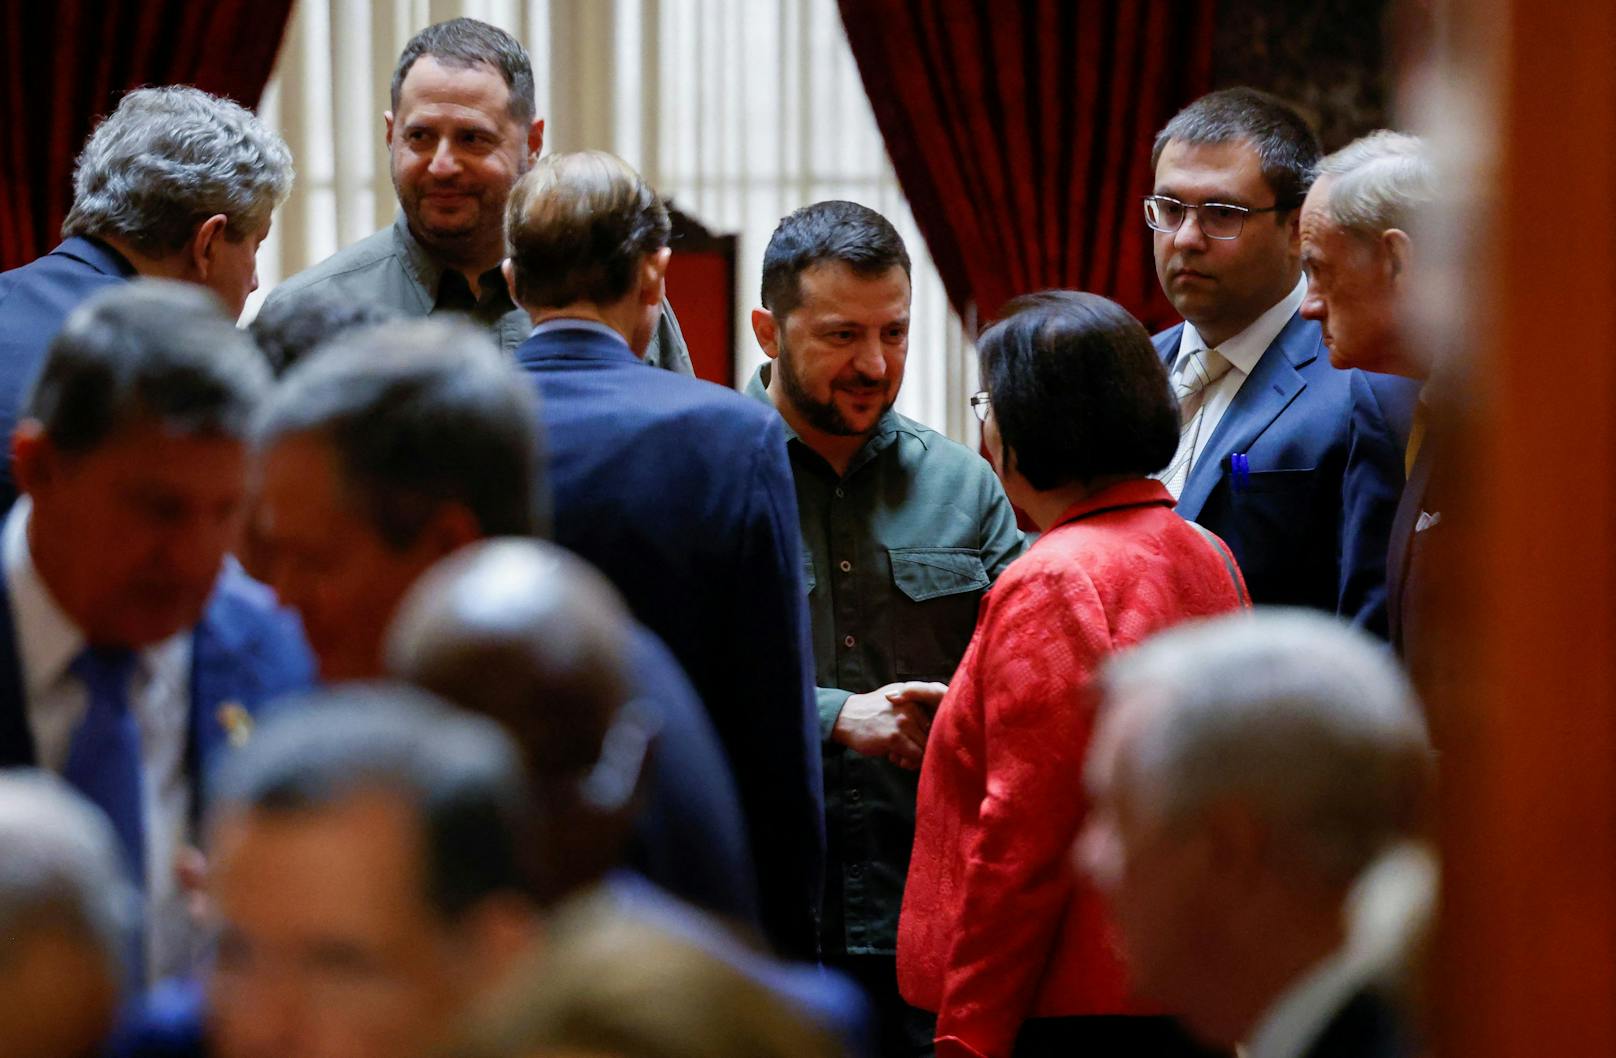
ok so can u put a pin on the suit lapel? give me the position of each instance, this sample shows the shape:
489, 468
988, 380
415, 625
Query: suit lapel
1270, 388
16, 738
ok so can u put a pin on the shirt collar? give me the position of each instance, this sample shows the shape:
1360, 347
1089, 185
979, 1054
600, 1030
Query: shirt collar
563, 323
1246, 348
428, 272
47, 639
1388, 909
1135, 492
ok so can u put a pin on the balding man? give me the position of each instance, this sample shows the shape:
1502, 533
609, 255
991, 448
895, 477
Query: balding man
67, 914
629, 773
681, 493
176, 184
1247, 773
1359, 258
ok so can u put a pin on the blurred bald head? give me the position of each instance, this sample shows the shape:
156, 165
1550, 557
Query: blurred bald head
525, 633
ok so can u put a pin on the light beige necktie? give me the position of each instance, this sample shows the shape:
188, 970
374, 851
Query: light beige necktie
1195, 372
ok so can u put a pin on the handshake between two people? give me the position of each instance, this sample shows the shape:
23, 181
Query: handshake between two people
891, 721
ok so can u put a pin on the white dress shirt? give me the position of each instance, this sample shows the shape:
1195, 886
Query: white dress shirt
1242, 351
47, 641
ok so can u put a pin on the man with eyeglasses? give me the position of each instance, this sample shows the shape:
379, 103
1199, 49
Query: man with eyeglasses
902, 531
1297, 466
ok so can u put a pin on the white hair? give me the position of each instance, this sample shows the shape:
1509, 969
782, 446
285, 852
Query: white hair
167, 159
1306, 721
1378, 182
62, 867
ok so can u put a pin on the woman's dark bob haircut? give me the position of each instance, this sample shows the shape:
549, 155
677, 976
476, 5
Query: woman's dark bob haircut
1077, 389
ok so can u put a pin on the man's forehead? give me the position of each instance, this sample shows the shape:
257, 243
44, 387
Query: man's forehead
832, 286
1231, 167
434, 82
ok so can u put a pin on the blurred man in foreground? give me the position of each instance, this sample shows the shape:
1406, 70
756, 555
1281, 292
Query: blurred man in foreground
67, 912
1255, 780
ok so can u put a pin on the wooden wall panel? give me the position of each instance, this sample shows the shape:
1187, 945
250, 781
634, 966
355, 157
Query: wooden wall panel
1522, 105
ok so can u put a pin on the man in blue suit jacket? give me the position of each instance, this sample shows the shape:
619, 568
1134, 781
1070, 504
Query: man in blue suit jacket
679, 491
133, 650
1297, 466
175, 183
391, 450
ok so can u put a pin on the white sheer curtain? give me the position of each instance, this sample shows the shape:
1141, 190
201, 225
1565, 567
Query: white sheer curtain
740, 110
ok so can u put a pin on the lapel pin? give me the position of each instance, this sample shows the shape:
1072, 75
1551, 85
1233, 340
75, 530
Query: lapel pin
237, 723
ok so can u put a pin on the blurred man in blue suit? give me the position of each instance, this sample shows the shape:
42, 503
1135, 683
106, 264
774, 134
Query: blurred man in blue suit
680, 492
175, 184
132, 648
1296, 465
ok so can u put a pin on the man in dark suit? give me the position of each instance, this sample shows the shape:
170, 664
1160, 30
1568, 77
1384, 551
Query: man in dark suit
1359, 258
679, 491
175, 183
1257, 785
392, 448
132, 649
1295, 465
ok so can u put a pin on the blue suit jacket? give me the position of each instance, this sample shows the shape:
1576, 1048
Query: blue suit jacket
690, 837
245, 651
35, 300
679, 491
1325, 450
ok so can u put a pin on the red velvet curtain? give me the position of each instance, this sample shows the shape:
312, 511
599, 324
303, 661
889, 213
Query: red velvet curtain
65, 63
1021, 130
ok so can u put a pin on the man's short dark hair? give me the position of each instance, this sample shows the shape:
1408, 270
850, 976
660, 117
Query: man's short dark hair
854, 235
1287, 147
153, 350
418, 414
1077, 390
458, 773
465, 43
288, 330
578, 225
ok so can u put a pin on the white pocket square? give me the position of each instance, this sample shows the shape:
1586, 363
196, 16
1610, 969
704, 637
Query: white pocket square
1427, 520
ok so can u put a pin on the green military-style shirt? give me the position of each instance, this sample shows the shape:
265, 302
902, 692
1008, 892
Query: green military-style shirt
896, 555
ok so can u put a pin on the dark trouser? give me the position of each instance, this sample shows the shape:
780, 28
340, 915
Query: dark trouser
901, 1031
1108, 1036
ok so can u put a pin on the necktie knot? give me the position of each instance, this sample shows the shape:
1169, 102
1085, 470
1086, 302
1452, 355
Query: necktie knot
1196, 370
105, 671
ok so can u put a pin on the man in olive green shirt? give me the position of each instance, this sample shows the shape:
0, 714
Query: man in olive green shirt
461, 131
902, 532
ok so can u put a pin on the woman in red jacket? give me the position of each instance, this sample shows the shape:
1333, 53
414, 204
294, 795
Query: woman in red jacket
997, 934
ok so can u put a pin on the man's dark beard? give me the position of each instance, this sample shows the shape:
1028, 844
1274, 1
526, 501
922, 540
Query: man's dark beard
823, 416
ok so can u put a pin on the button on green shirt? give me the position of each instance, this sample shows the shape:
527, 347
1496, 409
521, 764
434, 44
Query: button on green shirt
896, 555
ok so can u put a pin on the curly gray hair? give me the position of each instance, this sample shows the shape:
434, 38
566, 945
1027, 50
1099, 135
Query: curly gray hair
168, 158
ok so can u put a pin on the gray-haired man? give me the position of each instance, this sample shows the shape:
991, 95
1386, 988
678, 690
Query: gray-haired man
66, 908
1247, 774
176, 184
1359, 258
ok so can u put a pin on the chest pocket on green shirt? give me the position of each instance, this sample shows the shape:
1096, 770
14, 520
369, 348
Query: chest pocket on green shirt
941, 589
